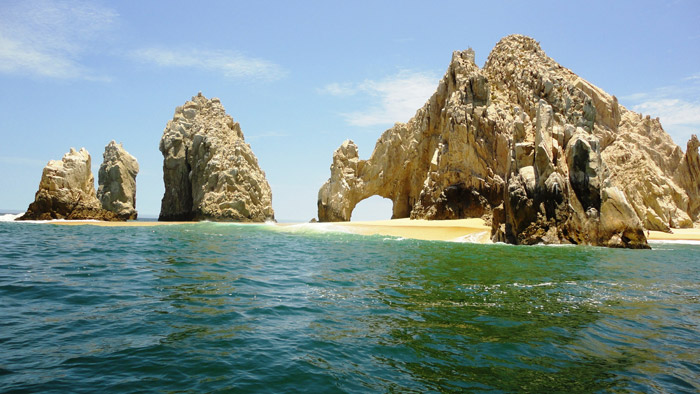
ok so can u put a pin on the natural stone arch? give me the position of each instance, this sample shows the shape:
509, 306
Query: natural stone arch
373, 207
353, 180
443, 164
528, 145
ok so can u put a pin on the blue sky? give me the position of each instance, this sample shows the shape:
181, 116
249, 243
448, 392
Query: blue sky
300, 77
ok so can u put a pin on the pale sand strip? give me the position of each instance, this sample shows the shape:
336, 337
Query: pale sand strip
679, 234
473, 230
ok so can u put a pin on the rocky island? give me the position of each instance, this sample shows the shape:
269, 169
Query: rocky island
209, 171
67, 191
541, 154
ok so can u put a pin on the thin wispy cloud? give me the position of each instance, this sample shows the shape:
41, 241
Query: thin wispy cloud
393, 99
50, 38
228, 63
677, 106
671, 111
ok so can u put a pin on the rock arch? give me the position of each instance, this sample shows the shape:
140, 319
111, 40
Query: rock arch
373, 207
525, 142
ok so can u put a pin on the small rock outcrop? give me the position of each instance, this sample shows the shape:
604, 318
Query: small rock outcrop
526, 144
117, 182
67, 191
209, 171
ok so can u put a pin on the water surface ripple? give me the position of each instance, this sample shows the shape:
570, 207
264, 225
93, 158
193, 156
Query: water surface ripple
221, 307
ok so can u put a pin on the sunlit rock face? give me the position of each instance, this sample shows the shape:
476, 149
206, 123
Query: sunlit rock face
209, 171
67, 191
117, 181
525, 143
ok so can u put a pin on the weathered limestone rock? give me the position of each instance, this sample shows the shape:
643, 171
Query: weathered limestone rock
209, 171
688, 177
67, 191
117, 182
442, 164
527, 143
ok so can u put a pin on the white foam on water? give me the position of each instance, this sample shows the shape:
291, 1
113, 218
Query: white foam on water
557, 245
314, 228
394, 239
481, 237
9, 217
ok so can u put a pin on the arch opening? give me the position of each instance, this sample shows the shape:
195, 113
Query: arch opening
372, 208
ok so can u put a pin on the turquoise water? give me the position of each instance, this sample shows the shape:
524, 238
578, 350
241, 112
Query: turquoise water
241, 308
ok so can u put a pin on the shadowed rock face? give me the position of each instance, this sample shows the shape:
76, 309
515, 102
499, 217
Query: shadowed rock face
550, 157
209, 171
117, 182
67, 191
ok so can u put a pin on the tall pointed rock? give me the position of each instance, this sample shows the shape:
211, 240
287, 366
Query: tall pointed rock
209, 171
117, 181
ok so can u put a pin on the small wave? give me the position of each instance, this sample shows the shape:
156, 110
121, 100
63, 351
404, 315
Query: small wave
527, 286
557, 245
481, 237
314, 228
12, 217
9, 217
394, 239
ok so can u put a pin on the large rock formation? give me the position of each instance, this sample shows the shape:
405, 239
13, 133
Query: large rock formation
67, 191
210, 172
445, 163
117, 181
550, 157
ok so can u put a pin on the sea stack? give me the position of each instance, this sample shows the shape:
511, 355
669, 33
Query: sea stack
117, 182
209, 171
526, 144
67, 191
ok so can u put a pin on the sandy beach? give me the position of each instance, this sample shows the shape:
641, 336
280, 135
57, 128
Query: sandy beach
472, 230
679, 234
460, 230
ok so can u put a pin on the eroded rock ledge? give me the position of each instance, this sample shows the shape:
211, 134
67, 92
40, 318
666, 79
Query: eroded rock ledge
525, 143
209, 171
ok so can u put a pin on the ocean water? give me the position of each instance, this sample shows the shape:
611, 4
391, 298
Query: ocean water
214, 307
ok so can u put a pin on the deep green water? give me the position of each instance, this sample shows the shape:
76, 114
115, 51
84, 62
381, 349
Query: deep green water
219, 307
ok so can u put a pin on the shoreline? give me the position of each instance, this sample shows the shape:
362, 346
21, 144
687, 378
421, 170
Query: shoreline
458, 230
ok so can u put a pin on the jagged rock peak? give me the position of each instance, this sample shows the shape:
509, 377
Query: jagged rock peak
209, 171
117, 181
566, 160
512, 45
67, 191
